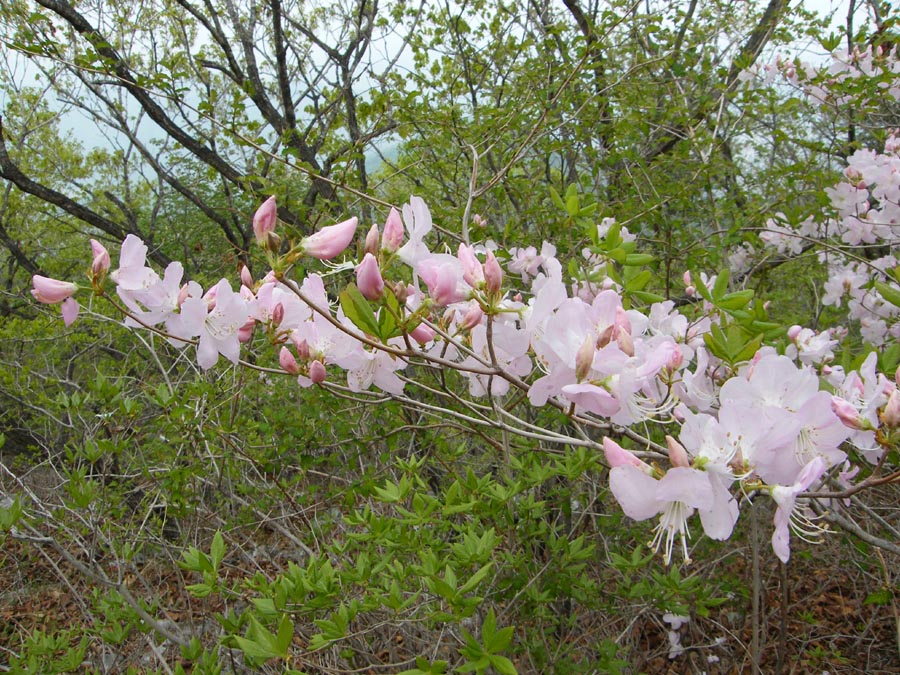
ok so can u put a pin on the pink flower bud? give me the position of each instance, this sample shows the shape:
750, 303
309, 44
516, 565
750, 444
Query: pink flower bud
51, 291
793, 332
371, 245
317, 372
422, 334
677, 453
277, 314
245, 332
690, 291
287, 361
890, 416
100, 265
392, 236
686, 278
473, 272
183, 294
584, 359
330, 241
265, 219
368, 278
246, 277
616, 455
472, 317
493, 273
302, 349
848, 414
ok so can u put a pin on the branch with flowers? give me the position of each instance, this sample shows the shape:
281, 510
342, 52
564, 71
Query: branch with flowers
696, 409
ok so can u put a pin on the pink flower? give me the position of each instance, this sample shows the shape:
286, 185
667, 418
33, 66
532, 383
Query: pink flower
786, 498
673, 497
265, 219
443, 276
330, 241
418, 222
368, 278
51, 291
218, 328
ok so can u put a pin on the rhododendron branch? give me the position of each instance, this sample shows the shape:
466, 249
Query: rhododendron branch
870, 482
851, 526
404, 354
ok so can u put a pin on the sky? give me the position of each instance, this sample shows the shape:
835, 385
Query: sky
80, 127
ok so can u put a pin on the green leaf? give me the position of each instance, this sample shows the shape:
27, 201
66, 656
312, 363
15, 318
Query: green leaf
476, 578
882, 596
889, 293
639, 259
503, 665
736, 300
359, 311
721, 285
199, 590
217, 551
389, 318
554, 195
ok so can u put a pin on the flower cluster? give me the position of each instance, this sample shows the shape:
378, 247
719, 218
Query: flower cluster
766, 423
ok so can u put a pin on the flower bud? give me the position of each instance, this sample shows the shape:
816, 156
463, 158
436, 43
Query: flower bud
246, 277
287, 361
330, 241
302, 349
265, 219
422, 334
793, 332
616, 455
392, 236
848, 414
277, 314
402, 291
686, 278
584, 359
890, 415
245, 332
100, 265
493, 273
317, 372
473, 272
472, 317
272, 243
371, 245
368, 278
677, 454
183, 294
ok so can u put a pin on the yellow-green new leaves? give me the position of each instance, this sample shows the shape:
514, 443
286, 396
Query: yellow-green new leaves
260, 644
485, 654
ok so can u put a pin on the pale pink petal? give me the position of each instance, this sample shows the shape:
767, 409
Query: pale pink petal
635, 491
